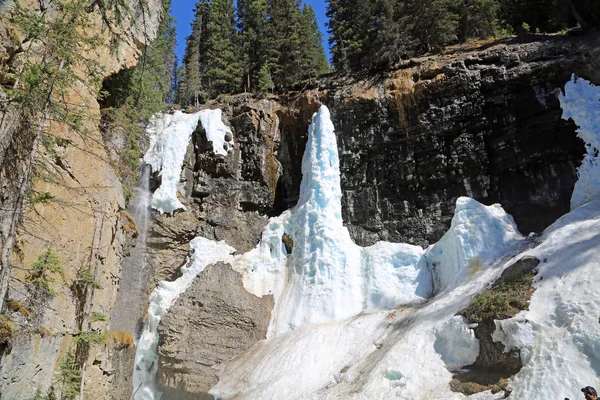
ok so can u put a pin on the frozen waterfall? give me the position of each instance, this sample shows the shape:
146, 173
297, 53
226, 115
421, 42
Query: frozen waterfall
170, 136
169, 139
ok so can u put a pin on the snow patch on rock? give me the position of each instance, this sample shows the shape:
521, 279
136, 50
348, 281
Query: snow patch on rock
581, 102
170, 136
456, 343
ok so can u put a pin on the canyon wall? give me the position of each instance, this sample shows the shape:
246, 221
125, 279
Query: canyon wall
482, 121
82, 222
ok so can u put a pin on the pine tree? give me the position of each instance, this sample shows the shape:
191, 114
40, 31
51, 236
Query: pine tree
225, 71
283, 46
477, 18
252, 22
192, 87
313, 59
350, 30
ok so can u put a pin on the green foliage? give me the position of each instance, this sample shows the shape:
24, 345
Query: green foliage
42, 271
41, 198
378, 33
477, 19
7, 329
192, 88
132, 96
98, 317
502, 301
273, 44
85, 279
91, 337
224, 70
69, 377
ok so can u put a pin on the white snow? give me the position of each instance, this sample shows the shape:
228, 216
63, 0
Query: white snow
216, 131
170, 135
456, 343
477, 237
581, 102
205, 252
560, 333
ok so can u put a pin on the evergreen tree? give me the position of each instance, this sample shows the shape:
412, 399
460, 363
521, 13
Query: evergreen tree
192, 85
434, 23
477, 18
252, 23
224, 68
313, 59
283, 45
349, 32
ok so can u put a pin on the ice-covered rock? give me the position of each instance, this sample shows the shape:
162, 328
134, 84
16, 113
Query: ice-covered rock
478, 236
456, 343
204, 252
170, 136
581, 102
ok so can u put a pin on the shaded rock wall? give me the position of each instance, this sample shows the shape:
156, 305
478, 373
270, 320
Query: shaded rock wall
482, 122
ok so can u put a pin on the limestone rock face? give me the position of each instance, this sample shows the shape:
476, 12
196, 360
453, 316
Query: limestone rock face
82, 223
227, 197
212, 322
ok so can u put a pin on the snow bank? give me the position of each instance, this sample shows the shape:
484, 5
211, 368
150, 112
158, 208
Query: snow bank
170, 135
205, 252
456, 343
560, 333
581, 102
478, 236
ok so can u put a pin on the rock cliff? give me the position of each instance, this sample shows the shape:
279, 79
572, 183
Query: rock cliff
482, 121
82, 223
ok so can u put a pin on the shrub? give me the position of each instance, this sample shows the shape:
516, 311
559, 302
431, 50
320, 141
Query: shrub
91, 337
7, 329
15, 306
42, 197
69, 377
85, 278
98, 317
502, 301
121, 340
47, 264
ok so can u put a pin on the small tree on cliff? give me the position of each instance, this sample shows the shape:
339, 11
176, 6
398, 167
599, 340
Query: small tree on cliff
53, 63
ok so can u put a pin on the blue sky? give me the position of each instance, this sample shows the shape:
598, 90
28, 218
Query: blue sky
183, 12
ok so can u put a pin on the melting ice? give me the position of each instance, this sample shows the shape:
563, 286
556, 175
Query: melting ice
169, 138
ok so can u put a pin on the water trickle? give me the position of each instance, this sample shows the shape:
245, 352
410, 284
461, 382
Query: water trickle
131, 300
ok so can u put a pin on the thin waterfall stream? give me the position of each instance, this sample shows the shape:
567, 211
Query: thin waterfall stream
132, 297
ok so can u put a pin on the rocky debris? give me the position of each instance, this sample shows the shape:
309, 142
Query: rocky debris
508, 296
212, 322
